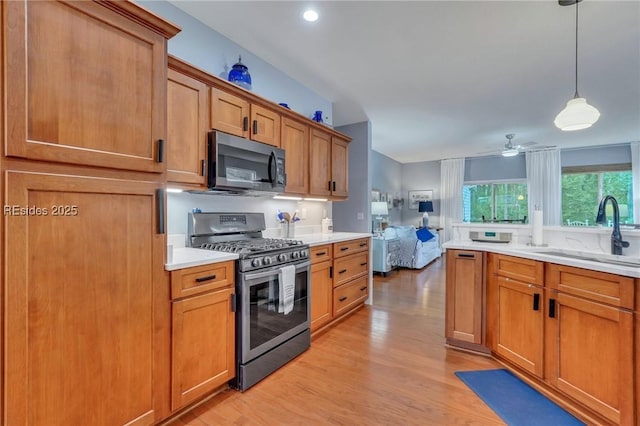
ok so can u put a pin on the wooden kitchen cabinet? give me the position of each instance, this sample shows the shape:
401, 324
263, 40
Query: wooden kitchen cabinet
187, 115
464, 298
74, 93
321, 286
295, 142
350, 295
334, 294
351, 272
589, 335
86, 301
514, 313
238, 116
203, 333
519, 336
229, 113
328, 165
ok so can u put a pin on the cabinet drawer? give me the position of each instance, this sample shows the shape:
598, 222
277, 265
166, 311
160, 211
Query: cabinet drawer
349, 295
347, 247
190, 281
601, 287
350, 267
526, 270
320, 253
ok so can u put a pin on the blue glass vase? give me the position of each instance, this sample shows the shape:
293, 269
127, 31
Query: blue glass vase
239, 74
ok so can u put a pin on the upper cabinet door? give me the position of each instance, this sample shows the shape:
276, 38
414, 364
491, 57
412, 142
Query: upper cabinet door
295, 142
320, 163
187, 111
85, 85
229, 113
265, 125
339, 167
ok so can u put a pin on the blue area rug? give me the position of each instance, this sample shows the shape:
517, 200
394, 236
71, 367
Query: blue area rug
517, 403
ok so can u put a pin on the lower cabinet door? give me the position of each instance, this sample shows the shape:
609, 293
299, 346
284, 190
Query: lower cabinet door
589, 354
84, 301
321, 295
464, 310
203, 346
520, 326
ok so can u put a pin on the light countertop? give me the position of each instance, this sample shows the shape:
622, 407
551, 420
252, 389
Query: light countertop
186, 257
539, 253
333, 237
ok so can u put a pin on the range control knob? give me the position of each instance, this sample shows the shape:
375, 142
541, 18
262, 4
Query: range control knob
304, 253
267, 260
295, 254
256, 262
282, 257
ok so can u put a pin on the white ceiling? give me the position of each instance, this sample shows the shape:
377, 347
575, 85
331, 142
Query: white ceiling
445, 79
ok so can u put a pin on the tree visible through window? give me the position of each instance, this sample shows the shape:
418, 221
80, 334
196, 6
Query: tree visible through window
583, 188
499, 201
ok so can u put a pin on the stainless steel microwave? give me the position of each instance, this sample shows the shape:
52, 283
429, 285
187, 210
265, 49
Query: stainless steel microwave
243, 166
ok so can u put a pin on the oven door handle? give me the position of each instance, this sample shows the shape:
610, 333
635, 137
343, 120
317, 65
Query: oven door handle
274, 271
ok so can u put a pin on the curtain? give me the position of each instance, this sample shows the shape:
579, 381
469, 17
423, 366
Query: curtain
544, 174
635, 172
451, 183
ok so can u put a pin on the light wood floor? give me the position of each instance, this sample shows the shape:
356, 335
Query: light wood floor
384, 365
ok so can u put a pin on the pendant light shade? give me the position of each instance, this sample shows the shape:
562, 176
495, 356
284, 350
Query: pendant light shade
578, 114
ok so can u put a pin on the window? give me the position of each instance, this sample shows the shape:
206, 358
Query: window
495, 201
584, 187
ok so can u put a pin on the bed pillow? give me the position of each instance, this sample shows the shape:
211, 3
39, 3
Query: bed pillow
424, 235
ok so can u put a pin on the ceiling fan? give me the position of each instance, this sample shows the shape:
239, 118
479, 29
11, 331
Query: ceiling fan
511, 150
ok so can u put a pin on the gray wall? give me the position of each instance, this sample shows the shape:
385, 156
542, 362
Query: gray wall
386, 176
610, 154
354, 214
421, 176
493, 167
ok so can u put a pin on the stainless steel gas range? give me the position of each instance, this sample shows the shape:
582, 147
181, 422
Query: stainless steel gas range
272, 291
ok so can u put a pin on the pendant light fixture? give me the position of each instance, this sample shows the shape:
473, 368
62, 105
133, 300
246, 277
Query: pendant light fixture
578, 114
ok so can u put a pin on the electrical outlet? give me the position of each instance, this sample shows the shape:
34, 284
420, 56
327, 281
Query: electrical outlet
360, 216
303, 213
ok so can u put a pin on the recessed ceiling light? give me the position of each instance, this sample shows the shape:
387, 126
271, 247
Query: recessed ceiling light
310, 15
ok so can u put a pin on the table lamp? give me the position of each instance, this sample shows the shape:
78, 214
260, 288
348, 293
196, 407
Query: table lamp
378, 209
425, 207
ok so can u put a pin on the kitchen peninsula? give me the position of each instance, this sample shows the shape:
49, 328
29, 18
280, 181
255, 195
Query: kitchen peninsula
551, 314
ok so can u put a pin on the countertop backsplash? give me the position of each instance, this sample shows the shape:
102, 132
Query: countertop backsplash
311, 212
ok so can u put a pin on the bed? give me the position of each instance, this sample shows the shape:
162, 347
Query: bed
418, 248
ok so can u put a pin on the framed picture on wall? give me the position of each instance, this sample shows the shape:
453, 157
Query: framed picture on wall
416, 196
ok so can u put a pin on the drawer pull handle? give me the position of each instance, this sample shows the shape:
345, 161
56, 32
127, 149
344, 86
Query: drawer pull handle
344, 248
363, 244
342, 271
363, 263
207, 278
255, 127
536, 301
343, 298
363, 288
245, 123
471, 256
321, 253
552, 308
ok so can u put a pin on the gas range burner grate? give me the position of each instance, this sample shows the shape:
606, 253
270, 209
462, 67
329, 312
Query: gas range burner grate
254, 245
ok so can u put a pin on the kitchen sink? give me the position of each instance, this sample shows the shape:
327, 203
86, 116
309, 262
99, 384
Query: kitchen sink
592, 257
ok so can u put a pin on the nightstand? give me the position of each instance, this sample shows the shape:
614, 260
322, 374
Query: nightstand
385, 254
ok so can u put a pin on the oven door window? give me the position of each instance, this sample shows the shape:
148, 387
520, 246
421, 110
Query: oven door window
265, 325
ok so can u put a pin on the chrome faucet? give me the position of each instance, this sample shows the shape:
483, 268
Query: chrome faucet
616, 238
